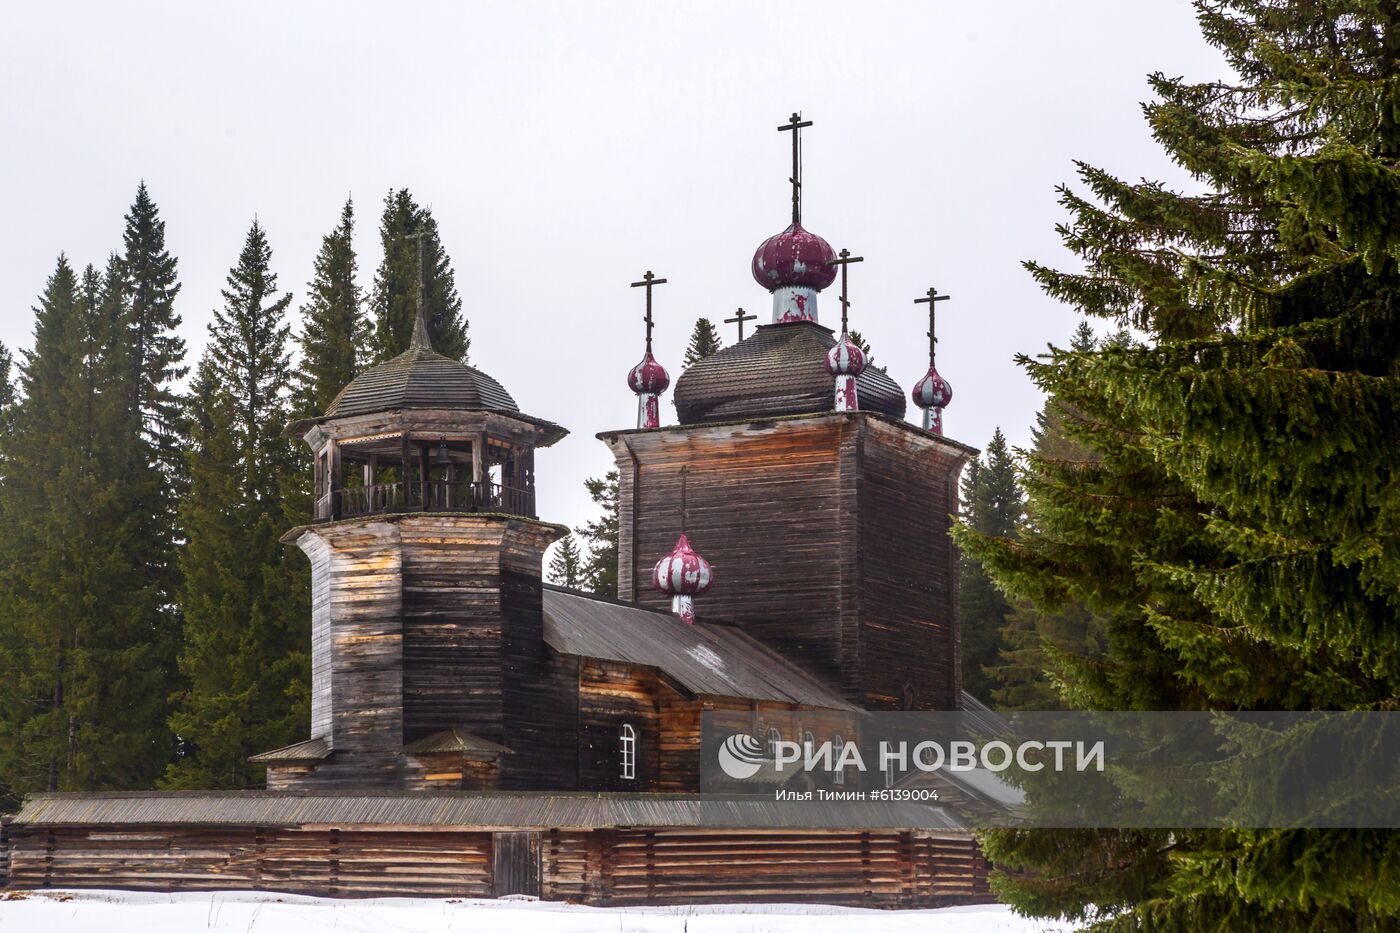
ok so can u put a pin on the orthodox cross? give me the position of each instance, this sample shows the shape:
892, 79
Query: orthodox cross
739, 319
931, 298
845, 263
420, 322
648, 281
796, 125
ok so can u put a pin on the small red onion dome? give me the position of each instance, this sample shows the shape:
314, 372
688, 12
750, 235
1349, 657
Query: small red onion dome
932, 391
794, 257
682, 572
845, 359
648, 376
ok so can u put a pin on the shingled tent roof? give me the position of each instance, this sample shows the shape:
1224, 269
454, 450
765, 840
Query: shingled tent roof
779, 370
421, 378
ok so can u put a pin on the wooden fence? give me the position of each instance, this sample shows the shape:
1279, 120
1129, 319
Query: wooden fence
598, 866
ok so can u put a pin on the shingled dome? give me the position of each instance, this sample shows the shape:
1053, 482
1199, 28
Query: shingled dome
780, 370
421, 378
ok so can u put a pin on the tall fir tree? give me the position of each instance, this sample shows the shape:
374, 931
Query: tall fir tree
155, 353
991, 505
244, 599
704, 341
601, 536
566, 566
396, 283
1236, 531
1030, 673
335, 335
83, 702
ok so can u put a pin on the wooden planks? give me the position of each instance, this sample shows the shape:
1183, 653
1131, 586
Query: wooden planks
829, 540
635, 865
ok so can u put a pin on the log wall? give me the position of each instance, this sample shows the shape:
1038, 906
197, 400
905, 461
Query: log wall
630, 866
829, 540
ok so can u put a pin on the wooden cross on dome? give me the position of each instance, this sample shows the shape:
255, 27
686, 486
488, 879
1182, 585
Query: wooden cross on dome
796, 124
931, 298
844, 262
648, 281
420, 318
739, 319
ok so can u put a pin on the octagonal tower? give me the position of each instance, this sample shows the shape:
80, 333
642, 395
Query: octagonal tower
427, 626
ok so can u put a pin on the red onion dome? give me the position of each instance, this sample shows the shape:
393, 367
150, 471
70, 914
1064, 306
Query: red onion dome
794, 257
845, 359
682, 572
932, 391
648, 376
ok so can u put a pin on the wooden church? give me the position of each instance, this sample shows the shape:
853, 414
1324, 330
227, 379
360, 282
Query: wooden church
476, 732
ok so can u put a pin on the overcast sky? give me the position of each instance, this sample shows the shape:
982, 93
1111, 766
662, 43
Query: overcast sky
565, 148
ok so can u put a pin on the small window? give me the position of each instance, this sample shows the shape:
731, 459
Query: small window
774, 737
838, 744
629, 752
760, 732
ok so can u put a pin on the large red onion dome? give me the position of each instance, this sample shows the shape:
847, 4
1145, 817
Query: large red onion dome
794, 257
932, 391
845, 359
648, 376
682, 572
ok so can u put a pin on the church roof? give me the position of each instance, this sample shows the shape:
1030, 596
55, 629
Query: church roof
421, 378
779, 370
524, 810
715, 660
309, 750
456, 741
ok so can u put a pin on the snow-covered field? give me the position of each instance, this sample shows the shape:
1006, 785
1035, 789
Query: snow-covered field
258, 912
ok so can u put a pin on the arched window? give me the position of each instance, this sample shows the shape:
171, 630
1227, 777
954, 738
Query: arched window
629, 752
774, 737
838, 776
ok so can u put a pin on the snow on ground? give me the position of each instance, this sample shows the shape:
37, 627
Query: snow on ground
262, 912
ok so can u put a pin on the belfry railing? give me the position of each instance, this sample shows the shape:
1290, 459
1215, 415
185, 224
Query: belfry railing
430, 496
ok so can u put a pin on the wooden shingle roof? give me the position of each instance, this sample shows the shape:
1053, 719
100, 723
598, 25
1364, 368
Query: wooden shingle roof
421, 378
491, 810
779, 370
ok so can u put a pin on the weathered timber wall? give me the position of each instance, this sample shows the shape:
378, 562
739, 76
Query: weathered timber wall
763, 508
423, 623
907, 492
334, 862
829, 540
540, 692
600, 866
609, 695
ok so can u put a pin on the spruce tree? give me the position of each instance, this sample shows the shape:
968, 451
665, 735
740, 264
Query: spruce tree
601, 535
991, 505
335, 332
154, 473
566, 566
82, 705
1037, 645
1235, 530
247, 629
157, 351
704, 341
395, 296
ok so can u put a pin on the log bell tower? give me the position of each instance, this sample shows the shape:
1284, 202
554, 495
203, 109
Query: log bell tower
425, 549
